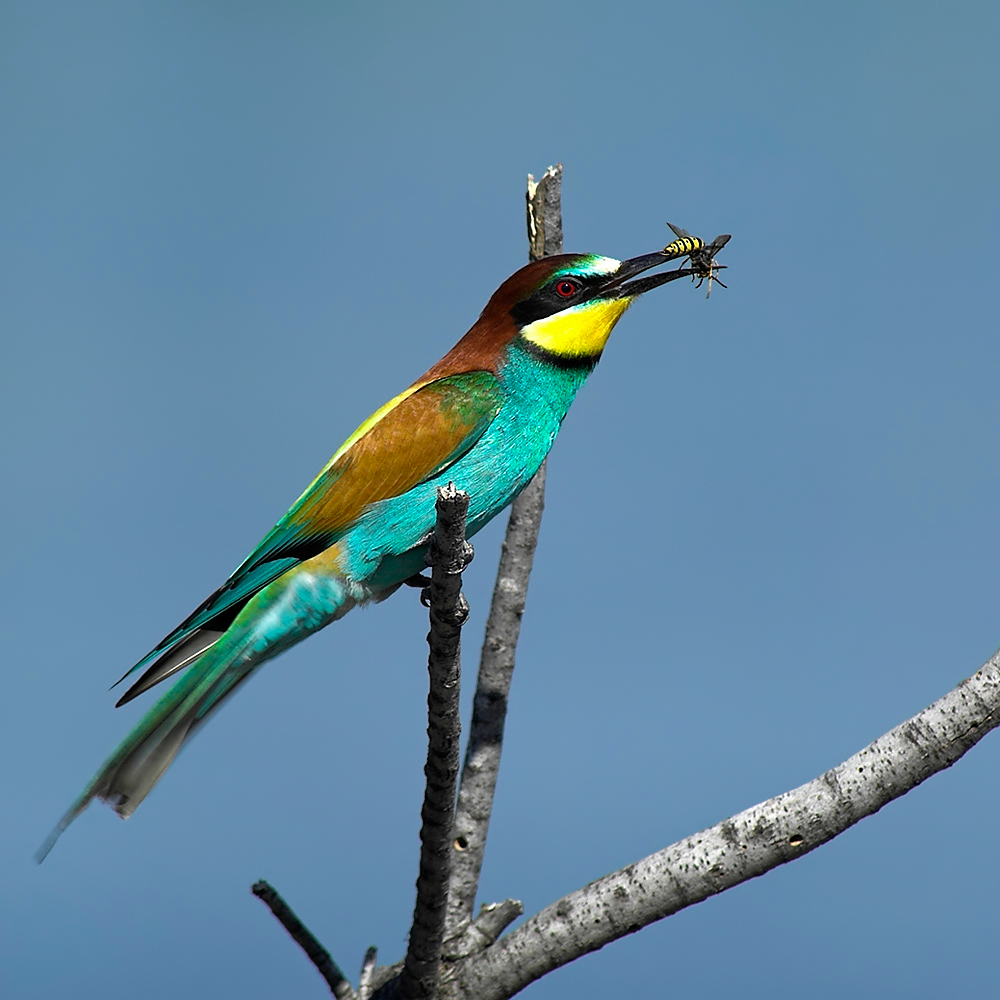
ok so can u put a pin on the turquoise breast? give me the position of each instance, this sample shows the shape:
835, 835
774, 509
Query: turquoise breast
386, 545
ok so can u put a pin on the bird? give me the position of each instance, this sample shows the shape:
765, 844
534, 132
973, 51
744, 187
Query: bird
484, 418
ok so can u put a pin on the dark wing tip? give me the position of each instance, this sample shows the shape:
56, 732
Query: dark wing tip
167, 665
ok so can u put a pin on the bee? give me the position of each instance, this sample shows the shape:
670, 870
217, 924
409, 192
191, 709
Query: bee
700, 255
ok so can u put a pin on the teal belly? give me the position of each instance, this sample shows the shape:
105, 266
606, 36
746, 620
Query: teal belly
387, 544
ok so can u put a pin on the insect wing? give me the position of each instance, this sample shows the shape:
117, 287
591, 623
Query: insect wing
684, 245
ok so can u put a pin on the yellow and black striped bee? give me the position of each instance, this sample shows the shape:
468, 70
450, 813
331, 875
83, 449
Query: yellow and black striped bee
700, 255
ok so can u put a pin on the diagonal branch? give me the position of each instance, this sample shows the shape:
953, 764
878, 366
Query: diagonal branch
496, 665
738, 849
303, 937
450, 553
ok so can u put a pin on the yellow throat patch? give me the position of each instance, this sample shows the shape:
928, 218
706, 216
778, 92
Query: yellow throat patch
578, 332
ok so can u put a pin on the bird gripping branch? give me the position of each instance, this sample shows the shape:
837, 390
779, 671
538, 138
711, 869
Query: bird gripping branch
483, 417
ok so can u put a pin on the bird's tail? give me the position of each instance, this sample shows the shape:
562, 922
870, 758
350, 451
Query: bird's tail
278, 617
140, 760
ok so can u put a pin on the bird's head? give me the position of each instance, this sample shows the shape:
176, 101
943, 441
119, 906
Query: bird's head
566, 306
562, 308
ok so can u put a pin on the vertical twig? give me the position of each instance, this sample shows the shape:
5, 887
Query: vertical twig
450, 554
367, 971
544, 207
496, 666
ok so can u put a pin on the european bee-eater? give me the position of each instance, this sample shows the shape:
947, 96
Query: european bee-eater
484, 417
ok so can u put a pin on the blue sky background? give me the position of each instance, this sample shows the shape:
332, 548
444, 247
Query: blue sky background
232, 230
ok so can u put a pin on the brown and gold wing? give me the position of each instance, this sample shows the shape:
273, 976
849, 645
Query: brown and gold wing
411, 439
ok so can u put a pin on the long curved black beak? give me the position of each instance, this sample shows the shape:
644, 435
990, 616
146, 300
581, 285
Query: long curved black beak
619, 286
701, 257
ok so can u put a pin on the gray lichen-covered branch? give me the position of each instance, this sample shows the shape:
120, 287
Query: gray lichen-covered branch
740, 848
503, 626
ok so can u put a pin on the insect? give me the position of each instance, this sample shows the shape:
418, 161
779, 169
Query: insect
700, 254
684, 246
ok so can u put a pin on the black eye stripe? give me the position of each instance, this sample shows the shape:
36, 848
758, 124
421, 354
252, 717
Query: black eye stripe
549, 299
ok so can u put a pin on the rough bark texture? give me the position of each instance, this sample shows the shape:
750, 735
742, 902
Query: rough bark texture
450, 554
740, 848
544, 204
503, 626
493, 920
489, 714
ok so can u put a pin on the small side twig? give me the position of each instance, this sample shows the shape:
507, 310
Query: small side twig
503, 627
450, 554
365, 984
303, 937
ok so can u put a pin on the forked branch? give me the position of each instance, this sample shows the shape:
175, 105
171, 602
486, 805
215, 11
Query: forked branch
503, 626
740, 848
475, 962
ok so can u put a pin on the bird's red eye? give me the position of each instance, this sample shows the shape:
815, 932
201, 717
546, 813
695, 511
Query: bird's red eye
567, 289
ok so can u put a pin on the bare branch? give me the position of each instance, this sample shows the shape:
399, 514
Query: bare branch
496, 664
544, 201
493, 920
303, 937
489, 714
450, 554
367, 972
477, 962
740, 848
